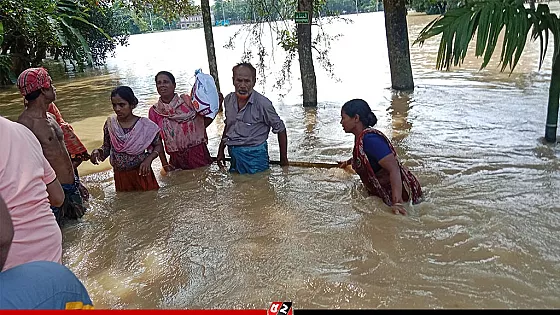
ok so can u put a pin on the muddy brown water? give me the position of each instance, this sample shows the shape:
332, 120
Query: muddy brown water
486, 236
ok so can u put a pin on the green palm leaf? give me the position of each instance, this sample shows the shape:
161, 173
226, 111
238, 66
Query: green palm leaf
85, 47
488, 19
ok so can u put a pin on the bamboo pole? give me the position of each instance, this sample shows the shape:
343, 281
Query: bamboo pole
299, 163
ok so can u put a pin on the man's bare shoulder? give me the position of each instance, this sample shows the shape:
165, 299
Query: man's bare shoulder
25, 120
36, 125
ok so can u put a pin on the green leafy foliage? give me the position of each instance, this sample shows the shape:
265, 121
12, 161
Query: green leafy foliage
166, 9
487, 20
274, 19
81, 32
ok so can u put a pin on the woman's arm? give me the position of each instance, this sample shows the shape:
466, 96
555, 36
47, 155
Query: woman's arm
146, 165
99, 155
389, 163
157, 119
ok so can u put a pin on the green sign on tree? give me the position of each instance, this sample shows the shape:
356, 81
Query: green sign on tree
302, 17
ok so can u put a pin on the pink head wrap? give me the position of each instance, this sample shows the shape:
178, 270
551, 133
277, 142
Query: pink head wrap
33, 79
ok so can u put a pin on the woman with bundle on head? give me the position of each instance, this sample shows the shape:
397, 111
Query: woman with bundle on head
132, 143
183, 129
375, 159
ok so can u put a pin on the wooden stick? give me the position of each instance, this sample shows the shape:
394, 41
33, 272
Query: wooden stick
299, 164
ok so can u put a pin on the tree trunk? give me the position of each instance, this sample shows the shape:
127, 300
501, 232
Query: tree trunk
40, 54
553, 99
306, 68
397, 44
20, 57
532, 4
210, 51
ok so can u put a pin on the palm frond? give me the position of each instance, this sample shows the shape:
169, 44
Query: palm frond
490, 19
84, 45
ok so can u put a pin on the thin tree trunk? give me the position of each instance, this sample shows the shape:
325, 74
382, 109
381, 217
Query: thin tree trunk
553, 99
532, 4
306, 68
210, 51
397, 44
40, 54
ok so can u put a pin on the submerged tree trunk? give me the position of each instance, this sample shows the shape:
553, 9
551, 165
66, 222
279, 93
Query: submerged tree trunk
553, 99
397, 44
210, 51
306, 68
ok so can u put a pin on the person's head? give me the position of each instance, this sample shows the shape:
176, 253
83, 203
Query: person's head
165, 84
34, 83
356, 116
244, 79
124, 101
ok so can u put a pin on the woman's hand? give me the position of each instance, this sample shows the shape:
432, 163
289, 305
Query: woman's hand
344, 164
145, 167
398, 208
95, 156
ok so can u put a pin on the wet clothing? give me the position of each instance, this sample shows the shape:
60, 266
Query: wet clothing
183, 132
122, 161
42, 285
249, 160
376, 148
73, 206
379, 183
191, 158
251, 125
128, 148
131, 180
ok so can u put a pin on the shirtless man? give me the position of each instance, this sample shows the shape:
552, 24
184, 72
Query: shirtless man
35, 85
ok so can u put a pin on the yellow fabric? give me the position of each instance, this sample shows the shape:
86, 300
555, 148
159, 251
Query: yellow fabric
78, 306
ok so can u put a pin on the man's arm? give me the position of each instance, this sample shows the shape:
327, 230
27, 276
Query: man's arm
56, 194
6, 232
283, 144
272, 119
221, 157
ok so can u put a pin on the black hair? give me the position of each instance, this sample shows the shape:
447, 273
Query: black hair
361, 108
166, 73
126, 94
247, 65
33, 95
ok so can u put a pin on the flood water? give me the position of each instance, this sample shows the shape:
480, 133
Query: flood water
486, 236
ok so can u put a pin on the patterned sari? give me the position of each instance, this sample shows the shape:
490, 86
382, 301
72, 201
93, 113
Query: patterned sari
75, 147
379, 184
183, 132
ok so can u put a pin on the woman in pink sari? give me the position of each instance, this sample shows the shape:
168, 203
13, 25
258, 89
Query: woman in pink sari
182, 128
375, 159
132, 143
